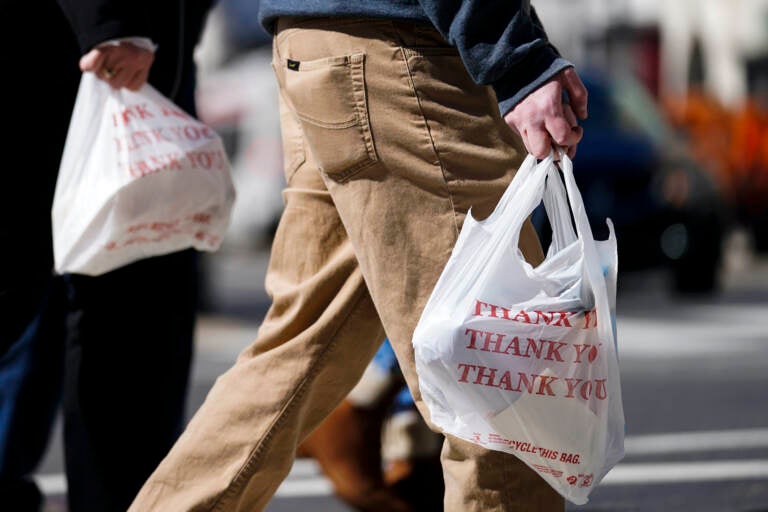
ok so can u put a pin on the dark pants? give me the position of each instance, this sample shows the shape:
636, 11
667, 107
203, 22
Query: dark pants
30, 385
127, 353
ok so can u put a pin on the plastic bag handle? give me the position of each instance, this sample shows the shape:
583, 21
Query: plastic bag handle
556, 207
506, 213
523, 194
534, 183
528, 191
512, 195
592, 260
553, 194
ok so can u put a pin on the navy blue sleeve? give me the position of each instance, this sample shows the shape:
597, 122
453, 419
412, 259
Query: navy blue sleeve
502, 44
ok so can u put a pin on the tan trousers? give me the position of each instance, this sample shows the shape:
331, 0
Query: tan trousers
387, 144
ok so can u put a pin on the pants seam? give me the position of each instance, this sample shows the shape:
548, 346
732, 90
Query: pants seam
257, 451
431, 139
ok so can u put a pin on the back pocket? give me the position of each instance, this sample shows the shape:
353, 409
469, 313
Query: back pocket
328, 97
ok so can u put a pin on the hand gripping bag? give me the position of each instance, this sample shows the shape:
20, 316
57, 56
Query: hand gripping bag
523, 360
139, 177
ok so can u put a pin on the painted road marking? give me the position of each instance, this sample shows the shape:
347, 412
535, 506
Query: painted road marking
683, 442
623, 474
707, 331
306, 479
675, 472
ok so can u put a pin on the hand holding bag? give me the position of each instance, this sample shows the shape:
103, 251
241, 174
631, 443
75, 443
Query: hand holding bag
139, 177
521, 359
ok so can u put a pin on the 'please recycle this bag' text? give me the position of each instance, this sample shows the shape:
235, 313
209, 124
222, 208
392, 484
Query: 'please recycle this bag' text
520, 359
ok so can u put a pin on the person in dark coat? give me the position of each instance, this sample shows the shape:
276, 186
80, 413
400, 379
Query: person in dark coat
118, 347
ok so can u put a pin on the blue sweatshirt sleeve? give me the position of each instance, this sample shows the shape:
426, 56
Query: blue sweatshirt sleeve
502, 44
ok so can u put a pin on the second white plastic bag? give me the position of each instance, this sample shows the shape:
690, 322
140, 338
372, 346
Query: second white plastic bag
139, 177
521, 359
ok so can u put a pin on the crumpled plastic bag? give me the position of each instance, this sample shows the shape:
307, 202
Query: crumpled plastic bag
139, 177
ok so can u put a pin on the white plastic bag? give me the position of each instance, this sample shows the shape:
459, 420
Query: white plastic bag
520, 359
139, 177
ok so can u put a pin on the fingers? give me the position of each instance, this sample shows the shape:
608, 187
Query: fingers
92, 61
122, 65
572, 151
543, 120
539, 143
570, 117
577, 93
563, 132
559, 129
118, 78
576, 131
137, 80
539, 140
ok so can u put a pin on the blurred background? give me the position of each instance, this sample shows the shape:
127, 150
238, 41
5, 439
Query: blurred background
675, 152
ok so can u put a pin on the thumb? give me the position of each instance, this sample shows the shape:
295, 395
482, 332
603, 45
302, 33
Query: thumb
92, 60
577, 93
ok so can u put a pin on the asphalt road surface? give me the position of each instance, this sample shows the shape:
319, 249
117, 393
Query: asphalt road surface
694, 379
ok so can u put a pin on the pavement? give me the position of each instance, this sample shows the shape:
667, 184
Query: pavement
694, 381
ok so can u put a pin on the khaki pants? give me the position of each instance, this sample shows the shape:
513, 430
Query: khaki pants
387, 144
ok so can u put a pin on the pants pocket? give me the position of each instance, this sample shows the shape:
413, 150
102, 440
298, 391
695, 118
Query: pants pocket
328, 97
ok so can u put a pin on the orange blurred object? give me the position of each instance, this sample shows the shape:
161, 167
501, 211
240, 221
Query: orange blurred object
732, 144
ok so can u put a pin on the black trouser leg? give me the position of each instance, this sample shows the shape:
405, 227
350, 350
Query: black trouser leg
128, 356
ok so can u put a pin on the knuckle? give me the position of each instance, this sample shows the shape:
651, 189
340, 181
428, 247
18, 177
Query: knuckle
541, 145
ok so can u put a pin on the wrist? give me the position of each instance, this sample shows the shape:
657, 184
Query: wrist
142, 42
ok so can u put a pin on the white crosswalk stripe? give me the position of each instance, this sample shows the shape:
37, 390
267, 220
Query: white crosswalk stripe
718, 331
306, 480
682, 442
671, 472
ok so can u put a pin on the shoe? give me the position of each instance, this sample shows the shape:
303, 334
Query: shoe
347, 446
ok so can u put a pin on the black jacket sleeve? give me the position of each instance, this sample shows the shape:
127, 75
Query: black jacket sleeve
174, 25
502, 44
96, 21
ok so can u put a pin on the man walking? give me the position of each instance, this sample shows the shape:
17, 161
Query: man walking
388, 141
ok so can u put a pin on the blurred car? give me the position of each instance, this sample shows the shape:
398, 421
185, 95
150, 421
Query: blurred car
632, 167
